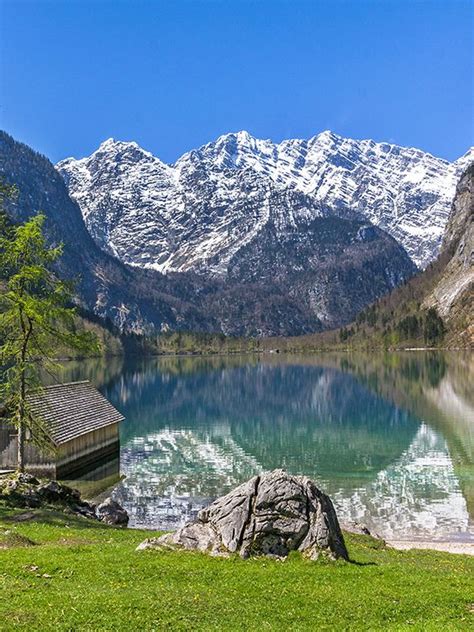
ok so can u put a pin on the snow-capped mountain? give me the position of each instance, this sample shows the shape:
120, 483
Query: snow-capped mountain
299, 271
199, 213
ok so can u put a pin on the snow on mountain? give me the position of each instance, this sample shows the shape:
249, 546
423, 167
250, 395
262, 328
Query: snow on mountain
199, 213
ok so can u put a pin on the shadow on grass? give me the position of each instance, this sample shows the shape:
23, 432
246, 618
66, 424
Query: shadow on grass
355, 563
14, 540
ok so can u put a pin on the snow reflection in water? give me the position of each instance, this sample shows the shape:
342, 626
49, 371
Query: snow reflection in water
171, 475
389, 437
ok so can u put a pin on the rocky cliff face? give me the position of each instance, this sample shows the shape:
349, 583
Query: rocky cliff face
199, 213
453, 293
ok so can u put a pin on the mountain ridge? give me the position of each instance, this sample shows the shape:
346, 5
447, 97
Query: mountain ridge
196, 213
146, 302
297, 274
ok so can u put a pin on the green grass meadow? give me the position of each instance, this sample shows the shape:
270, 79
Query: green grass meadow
63, 573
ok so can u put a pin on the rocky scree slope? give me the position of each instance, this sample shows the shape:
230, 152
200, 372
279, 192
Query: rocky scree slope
336, 267
199, 213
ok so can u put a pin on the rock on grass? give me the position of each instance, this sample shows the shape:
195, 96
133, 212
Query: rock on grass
271, 514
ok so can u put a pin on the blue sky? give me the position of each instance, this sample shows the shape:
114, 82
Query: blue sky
174, 75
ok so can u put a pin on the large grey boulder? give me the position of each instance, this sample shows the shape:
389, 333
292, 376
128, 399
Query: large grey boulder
271, 514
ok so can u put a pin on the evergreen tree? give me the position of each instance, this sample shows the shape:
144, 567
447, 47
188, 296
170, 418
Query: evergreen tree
434, 329
36, 321
6, 192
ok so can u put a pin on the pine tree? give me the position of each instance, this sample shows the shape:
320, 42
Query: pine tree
434, 328
36, 321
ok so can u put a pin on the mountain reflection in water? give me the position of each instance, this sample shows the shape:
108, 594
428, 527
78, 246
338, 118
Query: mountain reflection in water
388, 436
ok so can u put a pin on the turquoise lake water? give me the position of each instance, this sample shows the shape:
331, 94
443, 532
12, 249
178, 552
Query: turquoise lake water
390, 437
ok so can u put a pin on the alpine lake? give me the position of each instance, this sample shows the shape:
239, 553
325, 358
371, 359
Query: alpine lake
389, 436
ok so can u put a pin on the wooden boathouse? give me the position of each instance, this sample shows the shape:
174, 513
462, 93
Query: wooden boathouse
81, 425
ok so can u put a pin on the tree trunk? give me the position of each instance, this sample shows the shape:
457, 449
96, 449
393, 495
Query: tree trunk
27, 329
21, 447
21, 415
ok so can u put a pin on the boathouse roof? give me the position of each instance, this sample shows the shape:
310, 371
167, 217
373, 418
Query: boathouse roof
72, 410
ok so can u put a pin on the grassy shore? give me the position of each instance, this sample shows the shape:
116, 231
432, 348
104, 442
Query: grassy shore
64, 573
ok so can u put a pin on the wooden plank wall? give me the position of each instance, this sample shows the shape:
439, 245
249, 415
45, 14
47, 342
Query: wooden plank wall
66, 453
88, 442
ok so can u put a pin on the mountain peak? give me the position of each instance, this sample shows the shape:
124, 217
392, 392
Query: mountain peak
466, 159
327, 134
244, 135
119, 145
241, 138
200, 211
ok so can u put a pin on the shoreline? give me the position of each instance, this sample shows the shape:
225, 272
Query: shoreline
444, 546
